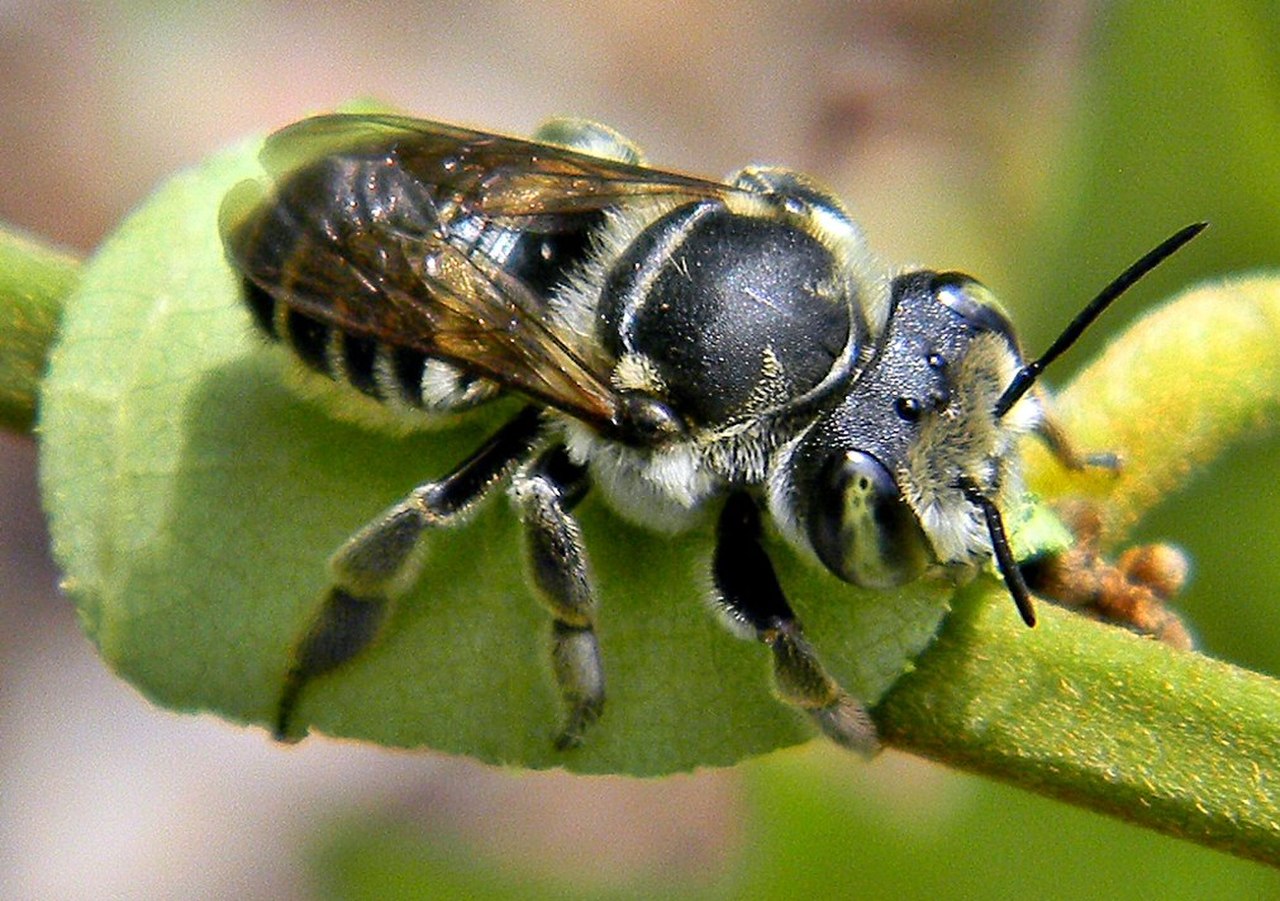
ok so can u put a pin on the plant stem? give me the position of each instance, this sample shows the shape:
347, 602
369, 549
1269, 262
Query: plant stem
1099, 717
35, 280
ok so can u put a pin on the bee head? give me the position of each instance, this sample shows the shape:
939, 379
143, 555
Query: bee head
915, 463
878, 482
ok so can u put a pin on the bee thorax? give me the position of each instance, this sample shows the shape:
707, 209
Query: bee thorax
727, 314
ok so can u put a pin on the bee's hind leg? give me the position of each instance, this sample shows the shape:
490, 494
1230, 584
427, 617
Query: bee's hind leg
753, 604
545, 494
381, 561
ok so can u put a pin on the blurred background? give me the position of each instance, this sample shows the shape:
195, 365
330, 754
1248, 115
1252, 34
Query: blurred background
1041, 146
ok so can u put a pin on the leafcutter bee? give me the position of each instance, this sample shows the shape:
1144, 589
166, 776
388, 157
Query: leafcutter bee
686, 347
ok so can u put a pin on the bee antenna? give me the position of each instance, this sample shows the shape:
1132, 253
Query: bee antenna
1013, 579
1030, 372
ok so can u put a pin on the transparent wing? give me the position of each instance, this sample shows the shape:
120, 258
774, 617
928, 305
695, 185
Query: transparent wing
491, 175
364, 230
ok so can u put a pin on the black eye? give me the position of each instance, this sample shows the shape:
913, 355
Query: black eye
861, 527
907, 408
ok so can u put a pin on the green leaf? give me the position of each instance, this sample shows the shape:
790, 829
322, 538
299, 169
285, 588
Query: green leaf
194, 499
1187, 382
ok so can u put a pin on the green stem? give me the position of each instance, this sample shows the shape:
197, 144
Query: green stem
35, 279
1096, 716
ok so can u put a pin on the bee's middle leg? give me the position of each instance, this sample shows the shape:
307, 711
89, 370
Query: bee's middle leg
754, 605
545, 494
382, 561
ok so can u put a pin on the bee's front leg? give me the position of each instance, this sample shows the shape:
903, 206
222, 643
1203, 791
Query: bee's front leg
754, 605
382, 561
545, 494
1063, 448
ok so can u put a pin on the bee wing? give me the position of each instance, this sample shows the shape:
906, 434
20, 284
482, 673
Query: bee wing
487, 321
418, 291
385, 264
492, 175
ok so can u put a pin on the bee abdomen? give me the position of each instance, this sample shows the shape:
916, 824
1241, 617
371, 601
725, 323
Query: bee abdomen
308, 338
263, 307
405, 377
321, 347
397, 375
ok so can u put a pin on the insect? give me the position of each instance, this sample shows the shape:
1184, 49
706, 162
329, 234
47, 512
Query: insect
686, 347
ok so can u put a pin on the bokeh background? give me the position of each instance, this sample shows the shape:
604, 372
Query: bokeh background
1041, 146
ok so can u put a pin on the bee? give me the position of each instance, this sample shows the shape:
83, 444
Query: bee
685, 347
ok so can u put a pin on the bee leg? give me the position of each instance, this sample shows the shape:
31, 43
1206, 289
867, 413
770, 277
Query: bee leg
1064, 449
545, 494
753, 603
381, 561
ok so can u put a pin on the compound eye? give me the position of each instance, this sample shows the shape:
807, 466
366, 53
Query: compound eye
861, 527
972, 301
